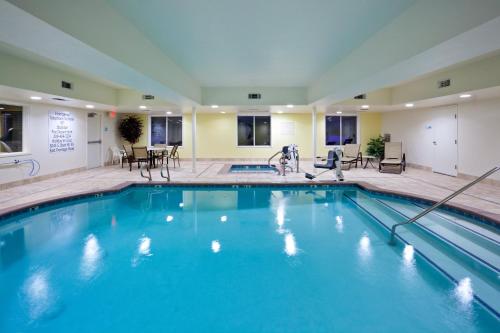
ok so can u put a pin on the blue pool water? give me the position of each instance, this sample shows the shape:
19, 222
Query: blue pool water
253, 168
221, 259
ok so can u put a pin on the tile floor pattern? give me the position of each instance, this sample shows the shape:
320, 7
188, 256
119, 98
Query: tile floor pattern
482, 196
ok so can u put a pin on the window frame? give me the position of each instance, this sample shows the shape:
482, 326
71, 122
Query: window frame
253, 115
358, 132
166, 127
26, 116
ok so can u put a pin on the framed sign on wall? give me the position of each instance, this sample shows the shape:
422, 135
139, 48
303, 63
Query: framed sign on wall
61, 130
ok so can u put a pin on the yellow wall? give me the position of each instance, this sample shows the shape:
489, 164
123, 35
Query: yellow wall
217, 135
370, 124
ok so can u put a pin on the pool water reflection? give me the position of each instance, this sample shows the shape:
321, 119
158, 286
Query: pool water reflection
221, 259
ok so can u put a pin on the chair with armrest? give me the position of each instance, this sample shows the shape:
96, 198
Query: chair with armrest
174, 155
352, 155
393, 157
129, 156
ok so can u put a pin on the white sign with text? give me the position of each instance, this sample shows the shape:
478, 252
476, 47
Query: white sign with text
61, 127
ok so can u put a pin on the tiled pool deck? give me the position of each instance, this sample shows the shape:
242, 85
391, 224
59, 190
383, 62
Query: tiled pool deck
483, 198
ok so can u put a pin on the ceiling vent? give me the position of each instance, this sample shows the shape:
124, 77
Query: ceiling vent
66, 85
147, 97
254, 96
444, 83
362, 96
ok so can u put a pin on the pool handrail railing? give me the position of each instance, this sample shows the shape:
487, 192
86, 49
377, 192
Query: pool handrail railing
392, 240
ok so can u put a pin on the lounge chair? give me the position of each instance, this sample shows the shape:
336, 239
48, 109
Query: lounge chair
393, 157
174, 155
351, 155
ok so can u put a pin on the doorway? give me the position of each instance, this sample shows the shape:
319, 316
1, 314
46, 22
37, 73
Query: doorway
445, 136
93, 140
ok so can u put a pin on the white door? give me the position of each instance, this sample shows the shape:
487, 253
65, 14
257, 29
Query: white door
445, 128
93, 140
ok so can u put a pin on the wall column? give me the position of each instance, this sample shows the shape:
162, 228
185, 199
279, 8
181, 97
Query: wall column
193, 138
314, 133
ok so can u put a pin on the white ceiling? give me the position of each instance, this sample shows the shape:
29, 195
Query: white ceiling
259, 42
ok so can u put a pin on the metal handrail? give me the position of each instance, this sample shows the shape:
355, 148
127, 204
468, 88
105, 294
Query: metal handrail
270, 158
392, 240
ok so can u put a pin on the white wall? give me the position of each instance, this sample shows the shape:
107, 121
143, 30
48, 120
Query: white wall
36, 143
478, 135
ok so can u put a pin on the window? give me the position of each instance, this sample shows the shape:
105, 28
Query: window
11, 128
166, 130
254, 130
174, 131
340, 130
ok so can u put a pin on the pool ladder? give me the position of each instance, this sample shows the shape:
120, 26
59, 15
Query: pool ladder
392, 240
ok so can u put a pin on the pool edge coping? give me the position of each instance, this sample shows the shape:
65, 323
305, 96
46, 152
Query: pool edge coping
481, 215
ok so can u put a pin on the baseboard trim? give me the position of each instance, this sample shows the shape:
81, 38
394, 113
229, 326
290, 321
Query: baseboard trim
20, 182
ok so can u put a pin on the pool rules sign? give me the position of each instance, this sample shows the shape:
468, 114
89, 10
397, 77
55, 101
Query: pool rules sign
61, 127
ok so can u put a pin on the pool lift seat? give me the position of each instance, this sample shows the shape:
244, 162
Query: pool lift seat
332, 162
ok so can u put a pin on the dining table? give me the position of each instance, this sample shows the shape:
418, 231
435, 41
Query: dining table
152, 150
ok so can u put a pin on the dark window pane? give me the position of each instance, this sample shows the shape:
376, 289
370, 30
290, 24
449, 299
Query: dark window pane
158, 130
175, 131
349, 129
332, 134
263, 131
245, 131
11, 129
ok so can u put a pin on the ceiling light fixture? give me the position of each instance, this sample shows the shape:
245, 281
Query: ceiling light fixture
289, 106
365, 107
280, 111
89, 106
409, 105
143, 107
339, 112
223, 112
465, 96
215, 106
169, 112
35, 98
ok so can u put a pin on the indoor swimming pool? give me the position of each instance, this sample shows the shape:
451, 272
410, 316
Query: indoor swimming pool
246, 259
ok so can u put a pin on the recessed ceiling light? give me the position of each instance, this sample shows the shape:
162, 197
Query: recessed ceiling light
89, 106
223, 112
215, 106
143, 107
2, 108
365, 107
409, 105
280, 111
289, 106
339, 112
169, 112
35, 98
465, 96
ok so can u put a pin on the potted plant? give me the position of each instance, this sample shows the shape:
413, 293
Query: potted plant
375, 147
130, 129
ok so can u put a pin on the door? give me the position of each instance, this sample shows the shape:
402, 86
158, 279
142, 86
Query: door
445, 129
93, 140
